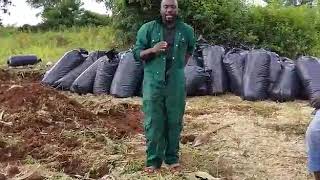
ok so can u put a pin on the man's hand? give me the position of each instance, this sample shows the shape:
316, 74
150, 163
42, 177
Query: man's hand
151, 52
160, 47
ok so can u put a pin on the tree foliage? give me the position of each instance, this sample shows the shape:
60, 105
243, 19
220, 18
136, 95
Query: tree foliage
44, 3
283, 26
288, 30
292, 2
66, 13
206, 16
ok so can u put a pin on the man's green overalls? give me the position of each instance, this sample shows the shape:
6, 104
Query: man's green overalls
164, 92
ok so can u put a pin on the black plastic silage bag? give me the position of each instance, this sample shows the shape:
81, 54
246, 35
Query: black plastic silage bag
128, 77
197, 57
256, 76
105, 73
287, 87
67, 62
275, 69
234, 62
85, 81
309, 72
213, 61
196, 60
66, 82
204, 89
23, 60
196, 81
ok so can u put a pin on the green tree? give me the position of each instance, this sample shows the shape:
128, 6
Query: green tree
65, 13
43, 3
293, 2
287, 30
206, 16
290, 31
93, 19
129, 15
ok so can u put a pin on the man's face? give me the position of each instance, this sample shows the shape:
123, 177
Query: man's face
169, 10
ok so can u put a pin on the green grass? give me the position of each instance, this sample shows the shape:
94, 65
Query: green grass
51, 45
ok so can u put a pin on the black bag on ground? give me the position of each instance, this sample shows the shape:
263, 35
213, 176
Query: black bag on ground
287, 87
256, 76
204, 89
69, 61
195, 60
234, 62
197, 57
303, 94
66, 82
196, 81
128, 77
22, 60
275, 69
213, 56
84, 83
309, 72
105, 73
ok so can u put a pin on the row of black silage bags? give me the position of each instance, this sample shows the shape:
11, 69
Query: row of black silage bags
254, 75
205, 64
98, 72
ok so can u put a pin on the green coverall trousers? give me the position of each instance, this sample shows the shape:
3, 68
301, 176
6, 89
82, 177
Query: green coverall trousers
163, 106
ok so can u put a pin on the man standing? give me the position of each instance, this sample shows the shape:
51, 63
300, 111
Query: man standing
164, 45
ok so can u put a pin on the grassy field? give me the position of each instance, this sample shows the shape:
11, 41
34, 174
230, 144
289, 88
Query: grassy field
265, 140
51, 45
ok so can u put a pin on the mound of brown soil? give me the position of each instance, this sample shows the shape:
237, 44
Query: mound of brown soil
35, 117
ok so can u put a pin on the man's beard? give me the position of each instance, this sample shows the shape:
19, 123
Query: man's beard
169, 19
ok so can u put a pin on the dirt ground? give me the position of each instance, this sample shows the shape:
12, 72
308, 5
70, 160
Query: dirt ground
60, 135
